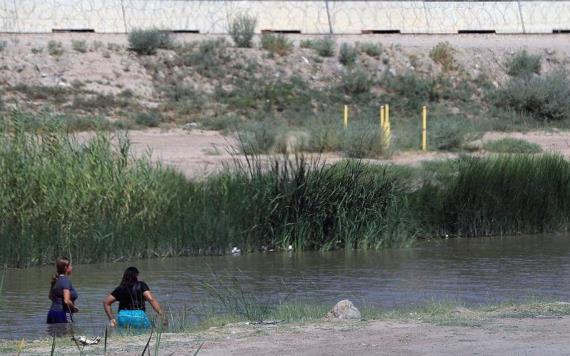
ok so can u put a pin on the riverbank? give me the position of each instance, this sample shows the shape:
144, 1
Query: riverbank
97, 202
530, 328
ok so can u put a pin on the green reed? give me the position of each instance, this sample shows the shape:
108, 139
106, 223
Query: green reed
93, 201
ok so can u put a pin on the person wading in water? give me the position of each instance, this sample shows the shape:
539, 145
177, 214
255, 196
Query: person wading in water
62, 294
131, 295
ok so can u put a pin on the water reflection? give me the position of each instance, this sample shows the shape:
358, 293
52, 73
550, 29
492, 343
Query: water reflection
470, 270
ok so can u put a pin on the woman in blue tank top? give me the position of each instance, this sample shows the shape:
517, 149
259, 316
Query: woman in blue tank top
62, 294
131, 295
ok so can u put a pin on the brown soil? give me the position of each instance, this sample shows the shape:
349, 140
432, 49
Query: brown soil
107, 67
529, 336
197, 153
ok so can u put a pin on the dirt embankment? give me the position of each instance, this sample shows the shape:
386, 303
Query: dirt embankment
82, 66
526, 336
95, 74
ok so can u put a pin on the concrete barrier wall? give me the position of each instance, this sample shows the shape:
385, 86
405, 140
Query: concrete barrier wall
342, 17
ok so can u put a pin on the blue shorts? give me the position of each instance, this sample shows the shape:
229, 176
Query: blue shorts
58, 317
136, 319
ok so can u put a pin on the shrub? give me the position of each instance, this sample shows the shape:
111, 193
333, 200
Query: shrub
146, 42
442, 53
412, 90
96, 102
55, 94
241, 29
450, 133
149, 119
55, 48
276, 44
356, 82
363, 140
371, 49
79, 46
325, 47
543, 98
347, 54
512, 145
523, 64
258, 137
220, 123
208, 58
325, 133
307, 44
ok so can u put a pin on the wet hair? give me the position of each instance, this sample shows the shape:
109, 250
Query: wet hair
130, 276
61, 265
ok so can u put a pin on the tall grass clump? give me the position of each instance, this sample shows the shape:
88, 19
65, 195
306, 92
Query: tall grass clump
512, 145
79, 46
88, 200
55, 48
544, 98
207, 58
347, 54
356, 82
497, 196
363, 140
146, 42
412, 91
276, 44
523, 64
325, 46
241, 30
371, 49
442, 53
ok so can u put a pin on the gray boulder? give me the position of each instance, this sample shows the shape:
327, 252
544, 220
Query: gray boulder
344, 310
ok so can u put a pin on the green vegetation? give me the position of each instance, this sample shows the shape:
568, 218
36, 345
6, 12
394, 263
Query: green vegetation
512, 145
347, 54
543, 98
79, 46
523, 64
356, 82
242, 29
90, 200
146, 42
442, 53
148, 119
325, 46
371, 49
276, 44
55, 48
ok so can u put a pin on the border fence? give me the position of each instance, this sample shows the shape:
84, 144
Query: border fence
309, 17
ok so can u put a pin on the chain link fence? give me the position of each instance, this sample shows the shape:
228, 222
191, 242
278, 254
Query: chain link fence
320, 17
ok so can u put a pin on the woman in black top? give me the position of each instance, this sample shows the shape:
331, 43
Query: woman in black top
131, 295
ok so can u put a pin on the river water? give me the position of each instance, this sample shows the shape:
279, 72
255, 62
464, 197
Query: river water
473, 271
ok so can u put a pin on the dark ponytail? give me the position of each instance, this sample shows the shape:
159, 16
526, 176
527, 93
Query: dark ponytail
130, 277
61, 265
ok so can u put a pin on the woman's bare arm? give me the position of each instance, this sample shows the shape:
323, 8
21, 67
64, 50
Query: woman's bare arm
68, 302
107, 306
152, 300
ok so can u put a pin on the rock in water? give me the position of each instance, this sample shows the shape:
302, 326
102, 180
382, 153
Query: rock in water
344, 310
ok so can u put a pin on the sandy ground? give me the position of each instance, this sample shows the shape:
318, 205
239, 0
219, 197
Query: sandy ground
530, 336
495, 41
197, 153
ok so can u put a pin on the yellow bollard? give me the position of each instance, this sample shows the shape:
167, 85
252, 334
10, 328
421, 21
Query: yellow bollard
424, 128
382, 118
387, 133
346, 116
